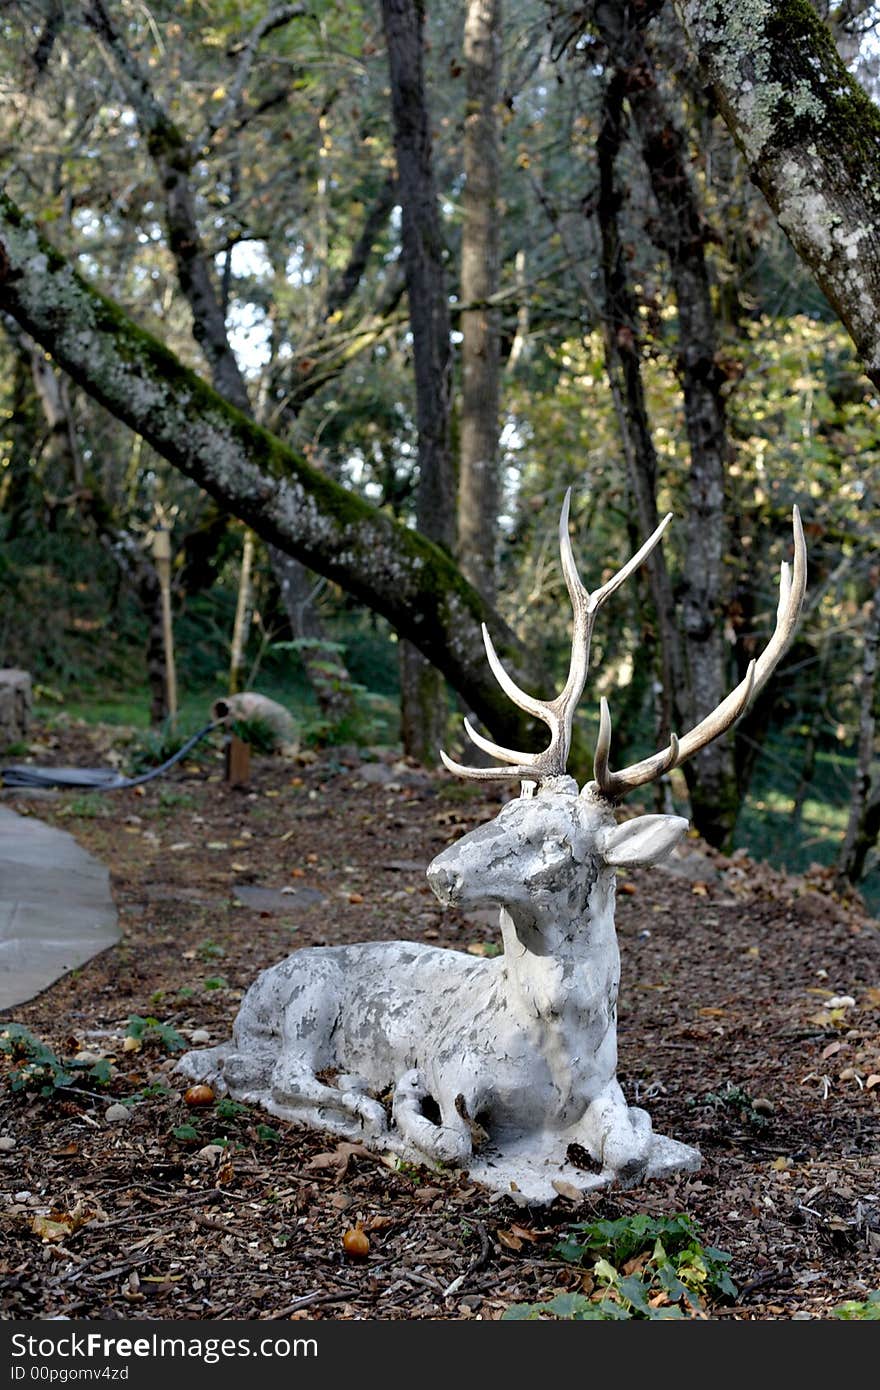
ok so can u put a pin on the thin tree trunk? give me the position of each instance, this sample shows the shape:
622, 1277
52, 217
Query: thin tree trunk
174, 159
711, 775
423, 693
864, 823
479, 490
620, 331
243, 610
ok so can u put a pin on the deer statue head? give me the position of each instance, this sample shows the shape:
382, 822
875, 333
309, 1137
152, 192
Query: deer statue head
505, 1066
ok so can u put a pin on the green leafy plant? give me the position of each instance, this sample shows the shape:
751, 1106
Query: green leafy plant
868, 1310
187, 1134
267, 1135
209, 950
259, 734
228, 1109
40, 1069
150, 1032
641, 1267
215, 982
737, 1101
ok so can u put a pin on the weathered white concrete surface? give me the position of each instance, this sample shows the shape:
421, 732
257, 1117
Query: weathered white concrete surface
56, 909
494, 1065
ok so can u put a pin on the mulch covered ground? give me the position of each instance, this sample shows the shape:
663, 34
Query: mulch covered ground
735, 1031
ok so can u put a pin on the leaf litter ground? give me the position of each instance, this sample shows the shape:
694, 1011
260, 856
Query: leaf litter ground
735, 1032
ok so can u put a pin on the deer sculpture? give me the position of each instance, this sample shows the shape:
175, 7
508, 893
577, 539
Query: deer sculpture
503, 1066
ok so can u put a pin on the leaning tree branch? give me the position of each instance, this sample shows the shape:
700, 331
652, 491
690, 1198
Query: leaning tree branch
394, 570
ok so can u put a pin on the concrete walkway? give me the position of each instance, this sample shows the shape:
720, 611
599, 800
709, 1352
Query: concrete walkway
56, 910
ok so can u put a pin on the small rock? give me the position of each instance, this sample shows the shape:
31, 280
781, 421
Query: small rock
763, 1106
841, 1001
7, 1144
199, 1036
89, 1058
21, 1196
118, 1115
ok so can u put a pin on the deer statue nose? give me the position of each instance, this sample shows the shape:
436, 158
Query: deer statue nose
444, 880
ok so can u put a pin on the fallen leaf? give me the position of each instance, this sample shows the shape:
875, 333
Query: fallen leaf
872, 1081
567, 1189
629, 889
355, 897
509, 1240
711, 1013
340, 1158
781, 1165
830, 1050
700, 889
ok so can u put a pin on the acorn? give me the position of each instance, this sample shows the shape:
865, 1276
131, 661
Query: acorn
356, 1242
198, 1095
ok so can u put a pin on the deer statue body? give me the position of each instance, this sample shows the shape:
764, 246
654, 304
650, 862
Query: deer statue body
504, 1066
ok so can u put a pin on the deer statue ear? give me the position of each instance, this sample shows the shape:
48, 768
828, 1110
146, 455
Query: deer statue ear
644, 840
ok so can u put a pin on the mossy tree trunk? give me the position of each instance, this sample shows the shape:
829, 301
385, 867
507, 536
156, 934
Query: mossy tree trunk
811, 139
410, 581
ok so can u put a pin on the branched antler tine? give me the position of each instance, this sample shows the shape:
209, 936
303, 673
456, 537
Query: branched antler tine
792, 586
615, 784
598, 596
485, 774
508, 685
507, 755
603, 745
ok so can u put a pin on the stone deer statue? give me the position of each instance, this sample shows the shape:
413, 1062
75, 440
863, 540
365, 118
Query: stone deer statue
505, 1066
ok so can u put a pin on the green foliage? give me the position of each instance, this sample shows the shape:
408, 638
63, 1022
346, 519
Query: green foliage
151, 1033
210, 950
866, 1310
258, 733
215, 982
38, 1068
228, 1109
642, 1267
187, 1134
735, 1100
86, 806
267, 1135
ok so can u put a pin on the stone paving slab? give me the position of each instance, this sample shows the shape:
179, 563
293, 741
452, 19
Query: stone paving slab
56, 909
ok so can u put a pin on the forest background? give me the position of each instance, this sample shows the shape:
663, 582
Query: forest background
441, 263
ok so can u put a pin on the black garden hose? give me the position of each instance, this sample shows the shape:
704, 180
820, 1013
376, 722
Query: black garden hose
101, 779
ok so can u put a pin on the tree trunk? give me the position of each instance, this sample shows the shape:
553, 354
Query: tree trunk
423, 693
711, 775
478, 491
394, 570
864, 821
173, 158
811, 138
623, 362
243, 610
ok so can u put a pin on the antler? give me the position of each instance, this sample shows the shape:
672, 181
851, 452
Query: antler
556, 714
792, 585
